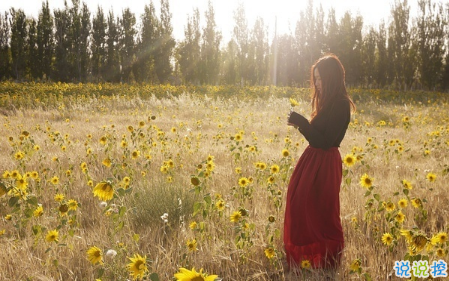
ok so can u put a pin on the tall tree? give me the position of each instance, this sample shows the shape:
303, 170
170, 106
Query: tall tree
32, 50
83, 49
62, 67
127, 43
431, 24
381, 60
166, 44
400, 34
189, 50
145, 69
350, 47
368, 54
259, 41
98, 44
210, 49
19, 34
45, 41
241, 38
4, 47
112, 72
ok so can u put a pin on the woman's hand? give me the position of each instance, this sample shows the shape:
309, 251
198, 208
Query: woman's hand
289, 119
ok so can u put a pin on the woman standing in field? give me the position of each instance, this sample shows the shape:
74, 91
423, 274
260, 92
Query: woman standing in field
312, 226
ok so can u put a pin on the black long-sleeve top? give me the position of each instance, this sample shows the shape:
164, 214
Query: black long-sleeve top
329, 126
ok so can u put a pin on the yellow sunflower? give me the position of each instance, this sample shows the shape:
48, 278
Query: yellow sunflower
270, 253
349, 160
355, 265
192, 275
366, 181
243, 182
220, 204
431, 177
104, 191
39, 211
191, 245
274, 169
305, 264
400, 217
95, 255
285, 152
236, 216
137, 267
387, 239
52, 235
403, 203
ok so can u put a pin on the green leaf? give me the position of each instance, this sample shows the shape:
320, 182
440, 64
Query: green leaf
405, 191
348, 181
196, 208
208, 199
368, 193
136, 237
345, 172
154, 277
122, 211
13, 201
377, 197
32, 201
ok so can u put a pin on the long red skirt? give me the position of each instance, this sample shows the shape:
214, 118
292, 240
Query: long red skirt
312, 226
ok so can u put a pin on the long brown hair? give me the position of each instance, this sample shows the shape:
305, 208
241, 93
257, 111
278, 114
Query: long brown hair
332, 75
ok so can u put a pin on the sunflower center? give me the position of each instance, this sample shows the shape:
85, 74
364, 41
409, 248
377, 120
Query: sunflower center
198, 278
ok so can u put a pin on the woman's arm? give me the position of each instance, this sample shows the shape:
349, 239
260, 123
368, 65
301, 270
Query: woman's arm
338, 120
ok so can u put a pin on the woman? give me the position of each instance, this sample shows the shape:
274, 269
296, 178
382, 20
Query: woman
312, 226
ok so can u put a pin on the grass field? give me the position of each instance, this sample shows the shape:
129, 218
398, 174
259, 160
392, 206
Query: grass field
116, 182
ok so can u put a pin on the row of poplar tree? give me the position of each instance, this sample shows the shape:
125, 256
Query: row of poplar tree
72, 45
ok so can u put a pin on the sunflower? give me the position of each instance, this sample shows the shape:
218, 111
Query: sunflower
51, 236
349, 160
431, 177
193, 225
104, 191
387, 239
54, 180
419, 241
441, 252
262, 166
39, 211
293, 102
236, 216
137, 267
59, 197
220, 204
400, 217
95, 255
271, 219
192, 275
442, 237
408, 234
73, 205
274, 169
390, 207
355, 265
107, 162
417, 203
305, 264
366, 181
238, 137
243, 182
270, 253
285, 152
403, 203
191, 245
194, 181
103, 140
135, 154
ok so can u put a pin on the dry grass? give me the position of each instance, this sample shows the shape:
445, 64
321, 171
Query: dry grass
204, 126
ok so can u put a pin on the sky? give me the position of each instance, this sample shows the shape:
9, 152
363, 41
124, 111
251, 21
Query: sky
286, 11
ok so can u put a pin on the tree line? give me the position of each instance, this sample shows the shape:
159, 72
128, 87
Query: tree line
73, 45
